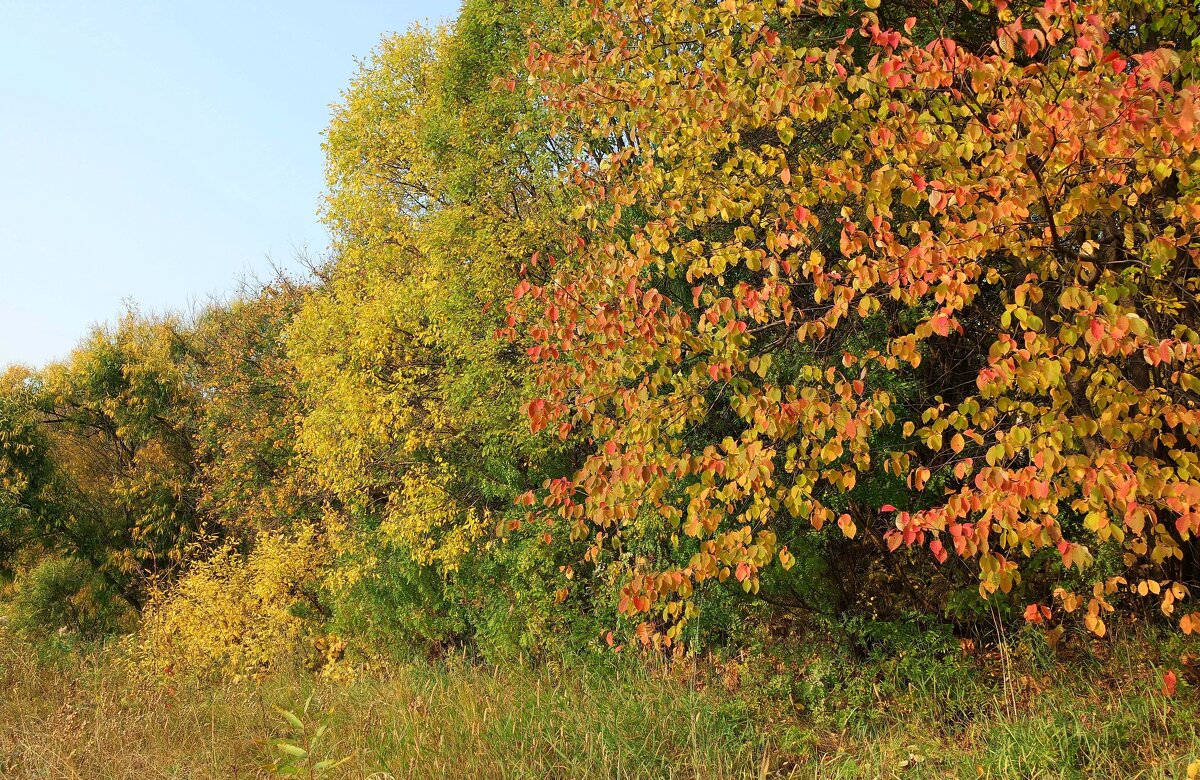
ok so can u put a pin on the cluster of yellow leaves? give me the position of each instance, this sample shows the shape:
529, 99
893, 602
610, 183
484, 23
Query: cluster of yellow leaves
235, 614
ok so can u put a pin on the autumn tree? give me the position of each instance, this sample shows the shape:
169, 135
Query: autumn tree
25, 470
441, 185
249, 478
100, 459
925, 273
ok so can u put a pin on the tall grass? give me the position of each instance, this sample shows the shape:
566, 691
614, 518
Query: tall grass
80, 715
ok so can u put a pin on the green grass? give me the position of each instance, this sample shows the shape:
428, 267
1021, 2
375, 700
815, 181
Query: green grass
79, 715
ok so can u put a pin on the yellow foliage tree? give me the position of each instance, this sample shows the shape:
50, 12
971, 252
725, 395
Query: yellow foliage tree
435, 201
249, 481
116, 424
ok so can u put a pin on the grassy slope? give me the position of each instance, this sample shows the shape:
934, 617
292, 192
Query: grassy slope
80, 716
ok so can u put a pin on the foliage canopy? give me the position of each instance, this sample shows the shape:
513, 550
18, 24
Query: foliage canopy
870, 310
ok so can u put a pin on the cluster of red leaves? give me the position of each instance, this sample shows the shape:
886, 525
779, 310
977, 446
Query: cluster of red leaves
755, 195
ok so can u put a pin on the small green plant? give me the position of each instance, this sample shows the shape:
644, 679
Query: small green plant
299, 750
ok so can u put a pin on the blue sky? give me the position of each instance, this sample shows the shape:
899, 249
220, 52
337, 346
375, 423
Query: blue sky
156, 151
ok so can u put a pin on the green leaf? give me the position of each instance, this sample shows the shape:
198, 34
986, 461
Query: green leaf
292, 750
291, 718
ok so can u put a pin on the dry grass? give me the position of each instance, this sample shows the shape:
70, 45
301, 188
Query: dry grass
77, 715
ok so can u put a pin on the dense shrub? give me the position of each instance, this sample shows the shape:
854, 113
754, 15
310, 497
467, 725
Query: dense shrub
237, 614
66, 596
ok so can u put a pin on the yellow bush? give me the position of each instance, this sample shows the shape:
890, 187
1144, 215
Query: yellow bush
236, 614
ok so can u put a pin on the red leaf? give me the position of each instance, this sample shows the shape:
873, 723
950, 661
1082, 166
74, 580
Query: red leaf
1169, 683
1033, 614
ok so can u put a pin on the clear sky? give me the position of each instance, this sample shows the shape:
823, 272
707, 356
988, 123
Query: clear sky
156, 151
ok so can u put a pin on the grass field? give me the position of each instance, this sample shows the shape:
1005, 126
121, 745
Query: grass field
81, 714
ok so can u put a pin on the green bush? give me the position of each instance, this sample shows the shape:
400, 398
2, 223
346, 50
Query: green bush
398, 609
500, 604
66, 596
